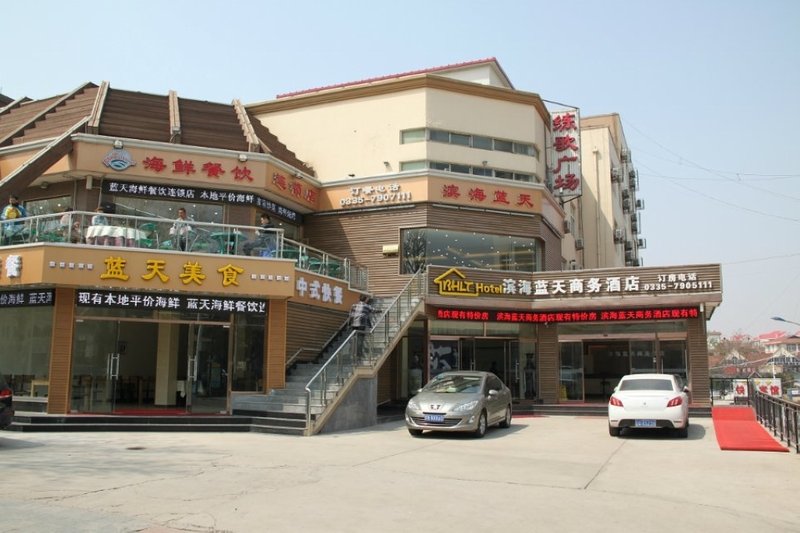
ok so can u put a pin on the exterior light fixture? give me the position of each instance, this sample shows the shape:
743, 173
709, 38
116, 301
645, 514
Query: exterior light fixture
243, 158
118, 144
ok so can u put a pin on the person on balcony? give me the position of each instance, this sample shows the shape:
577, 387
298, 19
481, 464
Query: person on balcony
264, 243
12, 212
180, 230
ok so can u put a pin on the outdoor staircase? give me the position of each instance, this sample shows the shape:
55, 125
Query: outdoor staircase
314, 390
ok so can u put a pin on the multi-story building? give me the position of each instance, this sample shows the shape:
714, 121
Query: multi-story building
436, 183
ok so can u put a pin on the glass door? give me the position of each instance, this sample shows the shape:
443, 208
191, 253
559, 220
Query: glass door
571, 372
207, 370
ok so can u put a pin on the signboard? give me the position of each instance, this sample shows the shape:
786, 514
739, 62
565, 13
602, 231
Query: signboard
556, 317
566, 172
26, 298
165, 301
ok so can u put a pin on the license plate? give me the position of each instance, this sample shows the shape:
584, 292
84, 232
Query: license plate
434, 418
645, 423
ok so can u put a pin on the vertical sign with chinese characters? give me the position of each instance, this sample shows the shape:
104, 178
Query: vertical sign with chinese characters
566, 161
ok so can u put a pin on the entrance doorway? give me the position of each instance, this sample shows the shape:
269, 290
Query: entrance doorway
125, 366
512, 360
591, 368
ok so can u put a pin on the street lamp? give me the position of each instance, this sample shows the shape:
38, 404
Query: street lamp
781, 319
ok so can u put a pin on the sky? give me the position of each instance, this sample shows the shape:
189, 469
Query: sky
707, 91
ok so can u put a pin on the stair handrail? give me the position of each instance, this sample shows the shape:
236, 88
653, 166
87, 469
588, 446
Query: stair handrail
338, 357
295, 355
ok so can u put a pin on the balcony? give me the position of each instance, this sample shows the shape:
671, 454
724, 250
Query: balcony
76, 228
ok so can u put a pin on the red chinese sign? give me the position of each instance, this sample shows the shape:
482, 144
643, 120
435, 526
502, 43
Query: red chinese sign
566, 173
495, 197
550, 317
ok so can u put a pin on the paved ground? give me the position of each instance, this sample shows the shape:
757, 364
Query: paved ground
543, 474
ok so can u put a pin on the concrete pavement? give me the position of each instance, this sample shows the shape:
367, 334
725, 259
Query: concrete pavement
543, 474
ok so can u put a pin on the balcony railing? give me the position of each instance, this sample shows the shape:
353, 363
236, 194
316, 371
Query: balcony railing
77, 228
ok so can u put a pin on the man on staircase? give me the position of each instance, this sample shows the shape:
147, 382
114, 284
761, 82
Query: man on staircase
360, 321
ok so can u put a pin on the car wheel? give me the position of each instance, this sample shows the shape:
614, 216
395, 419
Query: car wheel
614, 432
683, 432
480, 431
415, 432
506, 422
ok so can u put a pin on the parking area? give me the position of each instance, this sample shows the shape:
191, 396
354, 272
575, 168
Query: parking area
542, 474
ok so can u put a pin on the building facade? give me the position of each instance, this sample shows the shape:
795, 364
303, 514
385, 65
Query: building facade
446, 173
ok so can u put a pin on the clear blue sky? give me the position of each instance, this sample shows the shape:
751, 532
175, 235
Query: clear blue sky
707, 91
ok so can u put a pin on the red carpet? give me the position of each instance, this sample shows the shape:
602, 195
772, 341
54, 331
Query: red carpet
738, 429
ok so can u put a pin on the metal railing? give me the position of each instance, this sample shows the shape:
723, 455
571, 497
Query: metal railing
364, 349
78, 228
780, 416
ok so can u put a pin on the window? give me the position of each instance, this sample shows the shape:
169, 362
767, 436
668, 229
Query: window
482, 171
503, 174
484, 143
503, 146
413, 165
459, 139
423, 246
412, 136
523, 177
464, 169
440, 136
436, 165
524, 149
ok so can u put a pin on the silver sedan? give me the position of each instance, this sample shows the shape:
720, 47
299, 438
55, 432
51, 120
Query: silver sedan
460, 401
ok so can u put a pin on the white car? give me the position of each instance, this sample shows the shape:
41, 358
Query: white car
649, 401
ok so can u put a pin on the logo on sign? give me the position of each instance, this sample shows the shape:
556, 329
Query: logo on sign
118, 159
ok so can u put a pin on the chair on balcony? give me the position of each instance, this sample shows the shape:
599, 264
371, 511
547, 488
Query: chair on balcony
151, 235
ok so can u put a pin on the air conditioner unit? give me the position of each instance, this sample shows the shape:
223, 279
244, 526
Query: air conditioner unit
634, 226
579, 244
619, 235
629, 244
626, 205
633, 263
642, 243
626, 194
640, 203
632, 174
629, 255
634, 218
567, 226
615, 174
625, 156
633, 183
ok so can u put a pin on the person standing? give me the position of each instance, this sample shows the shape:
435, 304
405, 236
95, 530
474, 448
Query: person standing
180, 230
12, 212
360, 318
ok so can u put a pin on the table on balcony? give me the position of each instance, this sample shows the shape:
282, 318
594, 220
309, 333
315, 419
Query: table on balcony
114, 235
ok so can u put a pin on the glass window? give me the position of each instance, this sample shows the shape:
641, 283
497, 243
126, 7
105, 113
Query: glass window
464, 169
440, 136
503, 146
523, 177
484, 143
673, 358
503, 174
25, 357
482, 171
412, 136
413, 165
437, 165
422, 246
523, 148
48, 206
459, 139
571, 373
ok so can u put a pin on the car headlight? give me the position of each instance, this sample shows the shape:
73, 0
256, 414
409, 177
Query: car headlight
413, 405
469, 406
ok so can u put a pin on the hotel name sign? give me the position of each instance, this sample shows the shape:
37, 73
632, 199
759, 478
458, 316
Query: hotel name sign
463, 283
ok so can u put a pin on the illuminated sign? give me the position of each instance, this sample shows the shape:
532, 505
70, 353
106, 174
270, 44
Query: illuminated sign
555, 317
545, 285
26, 298
175, 192
160, 301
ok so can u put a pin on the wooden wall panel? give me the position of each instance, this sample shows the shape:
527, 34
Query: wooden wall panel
275, 357
380, 227
548, 363
60, 376
697, 348
310, 327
